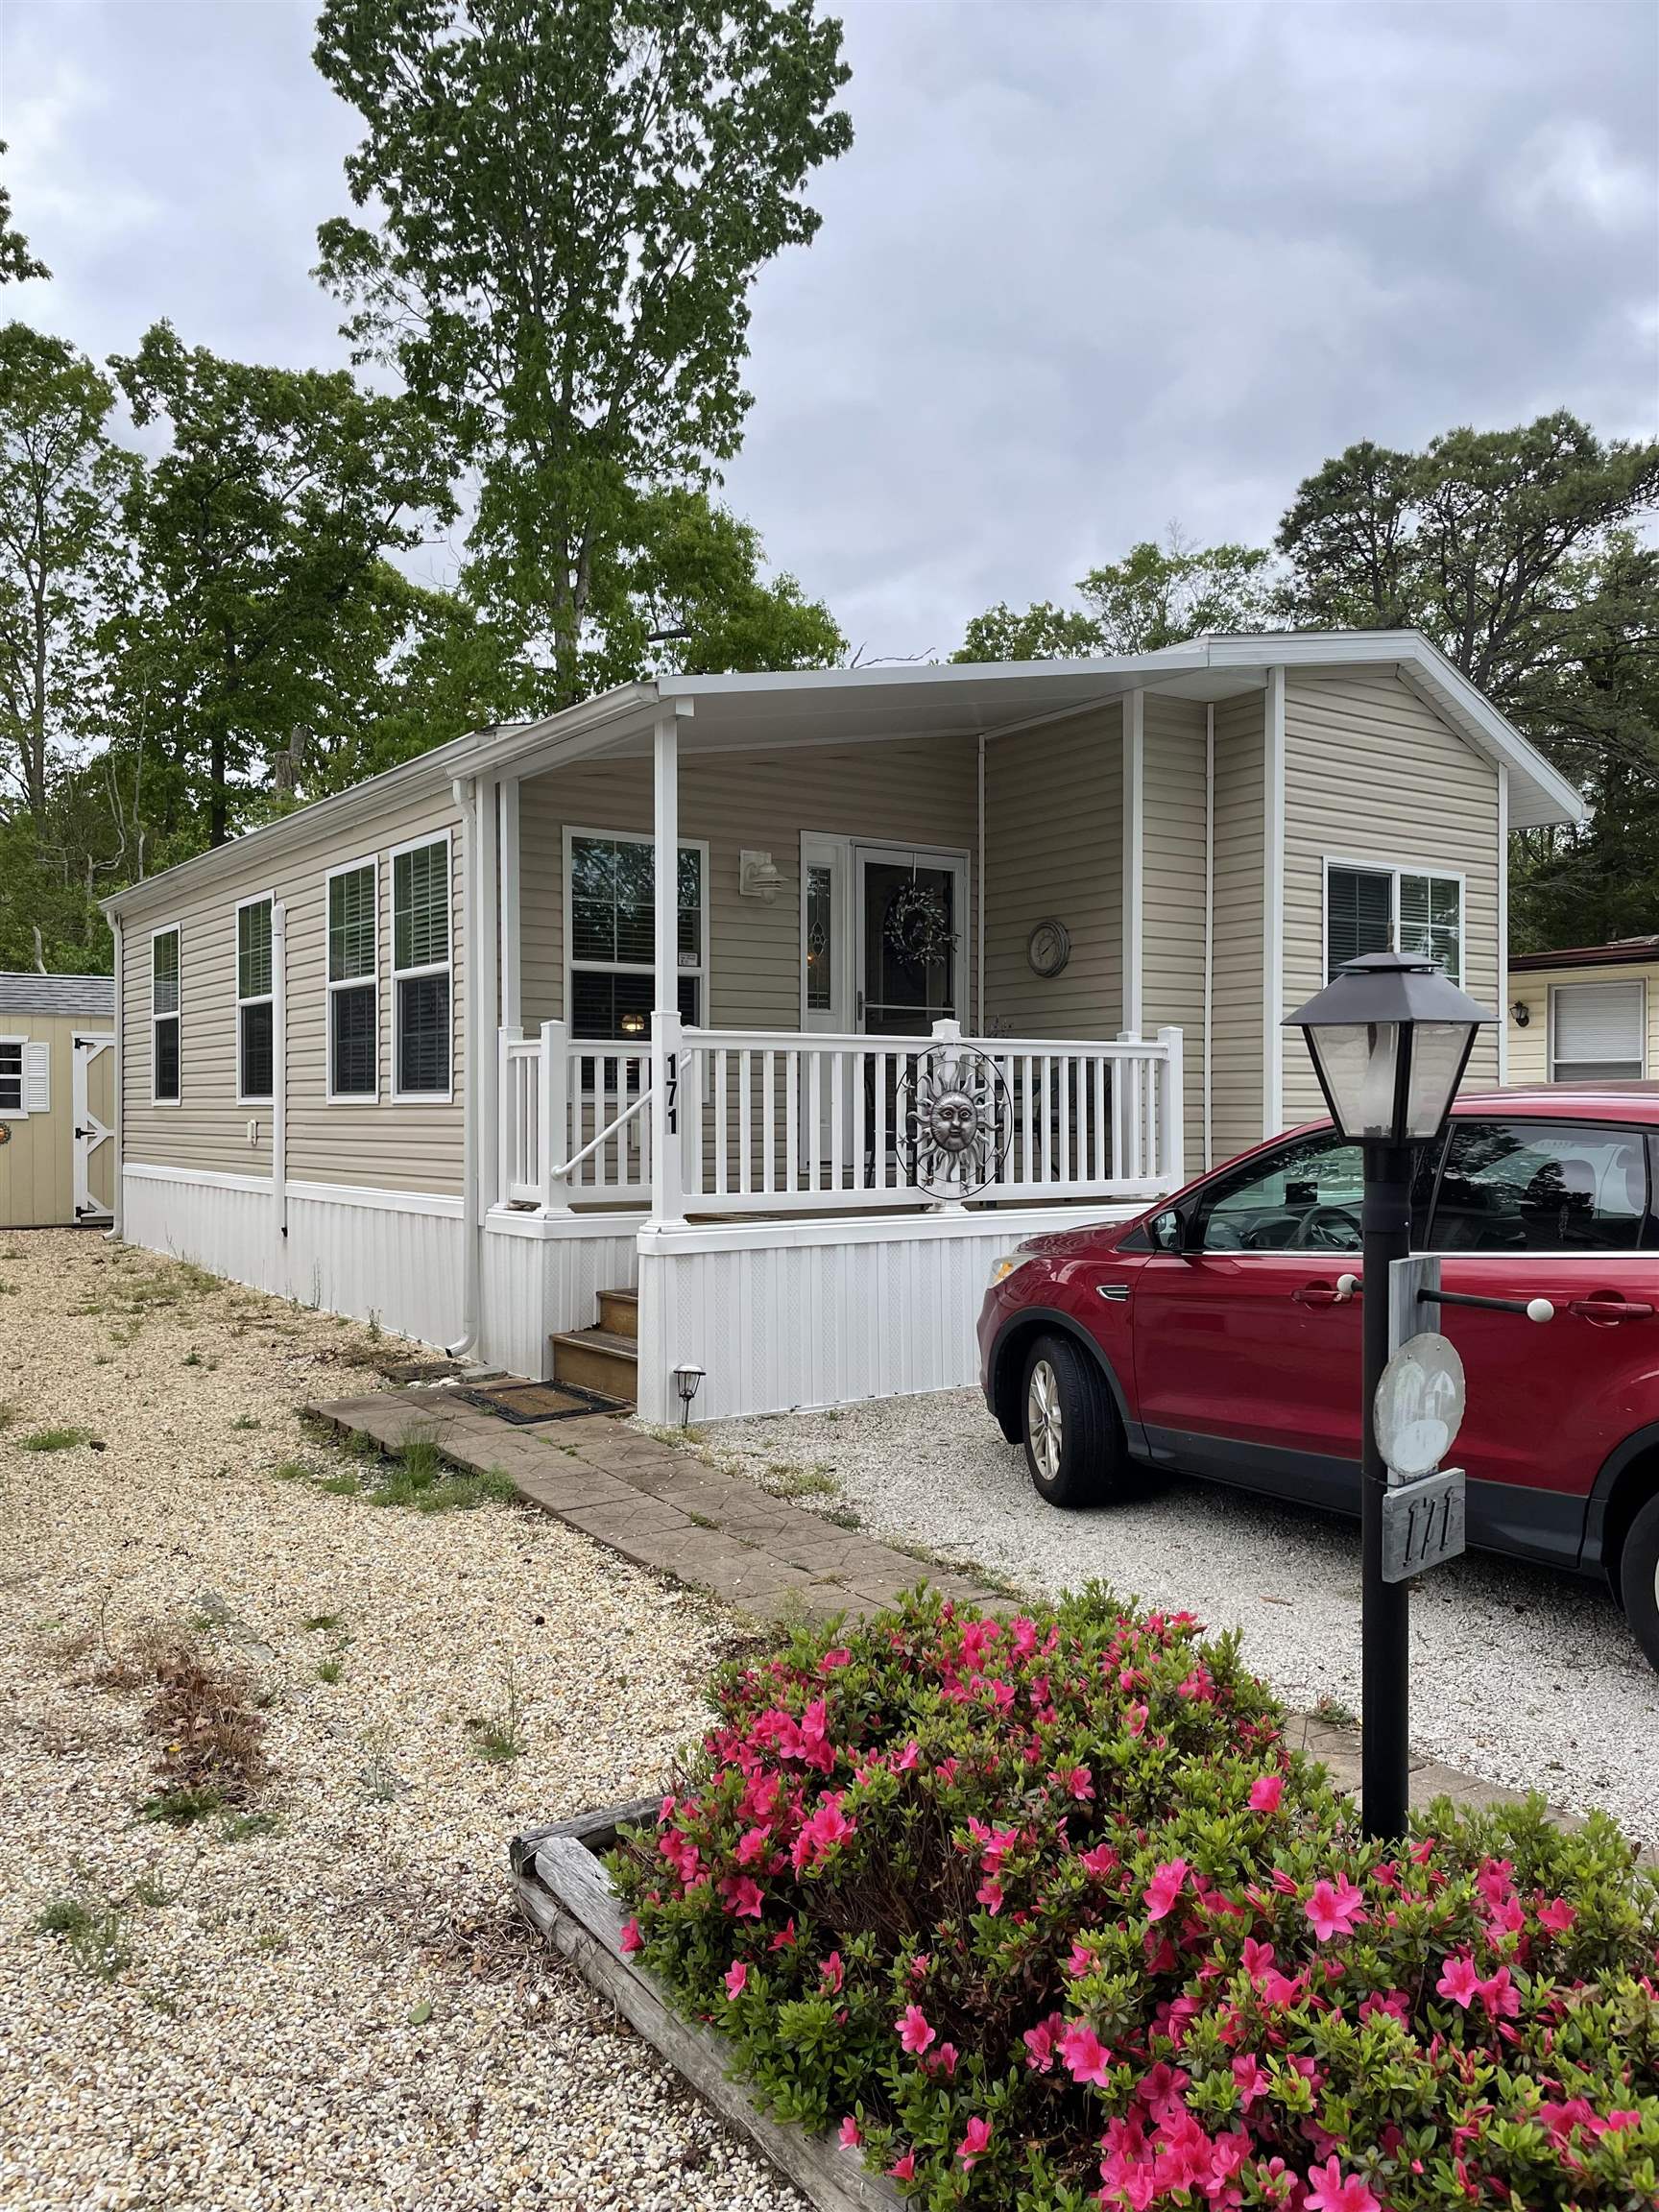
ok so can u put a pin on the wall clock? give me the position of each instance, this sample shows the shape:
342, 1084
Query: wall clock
1049, 947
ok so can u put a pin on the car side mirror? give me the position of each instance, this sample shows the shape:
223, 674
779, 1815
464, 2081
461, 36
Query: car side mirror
1168, 1231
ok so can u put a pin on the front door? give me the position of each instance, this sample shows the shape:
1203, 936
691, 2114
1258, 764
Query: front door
910, 938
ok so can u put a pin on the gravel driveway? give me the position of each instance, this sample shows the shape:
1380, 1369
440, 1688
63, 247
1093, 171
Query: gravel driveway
343, 2013
1525, 1678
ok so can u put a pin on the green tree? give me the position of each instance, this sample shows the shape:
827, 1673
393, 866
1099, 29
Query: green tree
568, 202
267, 603
1043, 631
61, 484
16, 263
1156, 595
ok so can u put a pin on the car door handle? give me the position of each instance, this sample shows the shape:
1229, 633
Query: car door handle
1614, 1309
1338, 1293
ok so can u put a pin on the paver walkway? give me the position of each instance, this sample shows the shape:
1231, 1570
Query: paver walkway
666, 1510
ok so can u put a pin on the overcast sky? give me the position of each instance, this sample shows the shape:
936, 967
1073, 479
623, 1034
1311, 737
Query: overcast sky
1088, 268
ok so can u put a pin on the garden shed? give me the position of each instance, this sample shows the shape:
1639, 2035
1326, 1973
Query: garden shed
57, 1099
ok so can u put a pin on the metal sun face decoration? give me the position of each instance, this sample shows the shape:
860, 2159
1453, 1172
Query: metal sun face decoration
954, 1121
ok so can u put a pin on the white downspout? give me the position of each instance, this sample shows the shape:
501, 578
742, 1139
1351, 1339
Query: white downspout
1209, 918
980, 904
116, 1182
279, 1072
465, 792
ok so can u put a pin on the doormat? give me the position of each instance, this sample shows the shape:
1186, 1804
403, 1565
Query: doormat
522, 1403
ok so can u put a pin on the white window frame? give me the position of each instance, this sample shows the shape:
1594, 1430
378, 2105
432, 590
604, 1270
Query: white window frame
258, 999
697, 845
446, 966
1393, 868
175, 930
371, 981
1578, 982
19, 1112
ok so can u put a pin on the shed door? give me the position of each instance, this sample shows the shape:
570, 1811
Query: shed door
93, 1063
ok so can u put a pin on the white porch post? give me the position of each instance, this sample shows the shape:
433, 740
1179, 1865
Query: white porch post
556, 1125
947, 1032
484, 1015
667, 1205
512, 909
1173, 1128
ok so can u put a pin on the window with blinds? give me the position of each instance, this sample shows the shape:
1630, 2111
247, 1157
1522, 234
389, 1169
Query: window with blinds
1372, 909
354, 984
11, 1075
1598, 1032
256, 1007
166, 1071
611, 929
420, 980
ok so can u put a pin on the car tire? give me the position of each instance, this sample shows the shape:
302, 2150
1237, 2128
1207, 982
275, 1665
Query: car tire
1073, 1443
1638, 1578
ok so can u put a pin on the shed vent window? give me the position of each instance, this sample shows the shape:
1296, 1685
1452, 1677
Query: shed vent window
353, 985
165, 1072
256, 1010
421, 969
1596, 1032
11, 1074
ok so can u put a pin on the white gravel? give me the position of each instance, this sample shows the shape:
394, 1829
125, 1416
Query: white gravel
1524, 1677
346, 2012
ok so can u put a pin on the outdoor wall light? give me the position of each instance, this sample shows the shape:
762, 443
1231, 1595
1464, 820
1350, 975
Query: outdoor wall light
633, 1024
1523, 1014
1389, 1038
757, 877
687, 1382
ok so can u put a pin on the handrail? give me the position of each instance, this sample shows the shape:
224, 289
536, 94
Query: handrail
608, 1131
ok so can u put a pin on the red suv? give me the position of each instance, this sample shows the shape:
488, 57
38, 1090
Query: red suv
1217, 1334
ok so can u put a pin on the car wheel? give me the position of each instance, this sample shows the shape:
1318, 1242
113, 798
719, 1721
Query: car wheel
1638, 1578
1074, 1445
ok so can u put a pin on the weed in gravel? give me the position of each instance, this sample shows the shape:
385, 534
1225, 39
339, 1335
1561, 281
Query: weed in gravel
499, 1737
330, 1670
843, 1517
322, 1623
181, 1808
91, 1933
204, 1722
241, 1827
8, 1289
1334, 1713
54, 1440
381, 1782
782, 1480
418, 1478
7, 1417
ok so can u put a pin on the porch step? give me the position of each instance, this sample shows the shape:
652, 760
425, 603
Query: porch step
601, 1360
619, 1312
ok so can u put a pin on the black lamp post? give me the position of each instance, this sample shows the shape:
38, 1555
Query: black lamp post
1390, 1039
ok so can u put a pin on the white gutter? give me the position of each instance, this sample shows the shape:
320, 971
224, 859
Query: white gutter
979, 901
279, 1069
1209, 915
465, 791
113, 1232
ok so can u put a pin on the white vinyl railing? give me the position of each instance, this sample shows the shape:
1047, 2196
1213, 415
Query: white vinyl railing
783, 1121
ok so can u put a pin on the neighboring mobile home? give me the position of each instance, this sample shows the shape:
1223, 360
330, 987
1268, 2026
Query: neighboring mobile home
57, 1099
1587, 1014
947, 956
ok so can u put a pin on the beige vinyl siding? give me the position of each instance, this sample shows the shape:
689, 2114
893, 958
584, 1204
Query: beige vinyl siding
1372, 775
412, 1145
1236, 992
1054, 848
1530, 1048
1172, 893
922, 793
37, 1151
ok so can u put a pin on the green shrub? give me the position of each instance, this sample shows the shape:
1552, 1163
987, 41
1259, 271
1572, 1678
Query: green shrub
1046, 1912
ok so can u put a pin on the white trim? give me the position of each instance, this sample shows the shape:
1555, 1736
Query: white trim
175, 930
317, 1194
957, 862
820, 850
1134, 859
335, 983
1596, 982
1503, 924
118, 937
512, 925
1273, 905
979, 904
211, 1178
1209, 925
19, 1112
445, 837
918, 1228
555, 1227
258, 998
699, 845
1394, 869
279, 1066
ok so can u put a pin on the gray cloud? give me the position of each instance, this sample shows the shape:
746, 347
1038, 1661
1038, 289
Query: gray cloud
1087, 269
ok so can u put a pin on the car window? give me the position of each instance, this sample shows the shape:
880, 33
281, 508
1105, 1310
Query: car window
1541, 1186
1306, 1194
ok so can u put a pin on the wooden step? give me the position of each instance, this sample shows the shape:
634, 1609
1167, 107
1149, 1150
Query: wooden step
597, 1360
619, 1312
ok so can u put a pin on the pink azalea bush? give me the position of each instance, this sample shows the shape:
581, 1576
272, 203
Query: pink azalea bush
1046, 1912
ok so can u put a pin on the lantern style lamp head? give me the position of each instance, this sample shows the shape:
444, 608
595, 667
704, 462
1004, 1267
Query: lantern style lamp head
687, 1382
1389, 1038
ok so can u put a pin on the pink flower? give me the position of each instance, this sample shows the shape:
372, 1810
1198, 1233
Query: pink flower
631, 1939
1165, 1887
830, 1973
1252, 2081
942, 2061
904, 2169
1081, 1962
785, 1935
990, 1895
1257, 1958
839, 1657
1135, 1719
1040, 2042
1099, 1861
1558, 1916
1330, 2190
741, 1895
975, 2142
1086, 2058
850, 2137
1334, 1911
1076, 1782
1501, 1997
1265, 1792
914, 2032
737, 1974
908, 1758
1459, 1981
753, 1845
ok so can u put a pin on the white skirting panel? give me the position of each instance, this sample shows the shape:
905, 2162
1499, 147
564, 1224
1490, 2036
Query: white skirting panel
540, 1275
822, 1312
395, 1254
